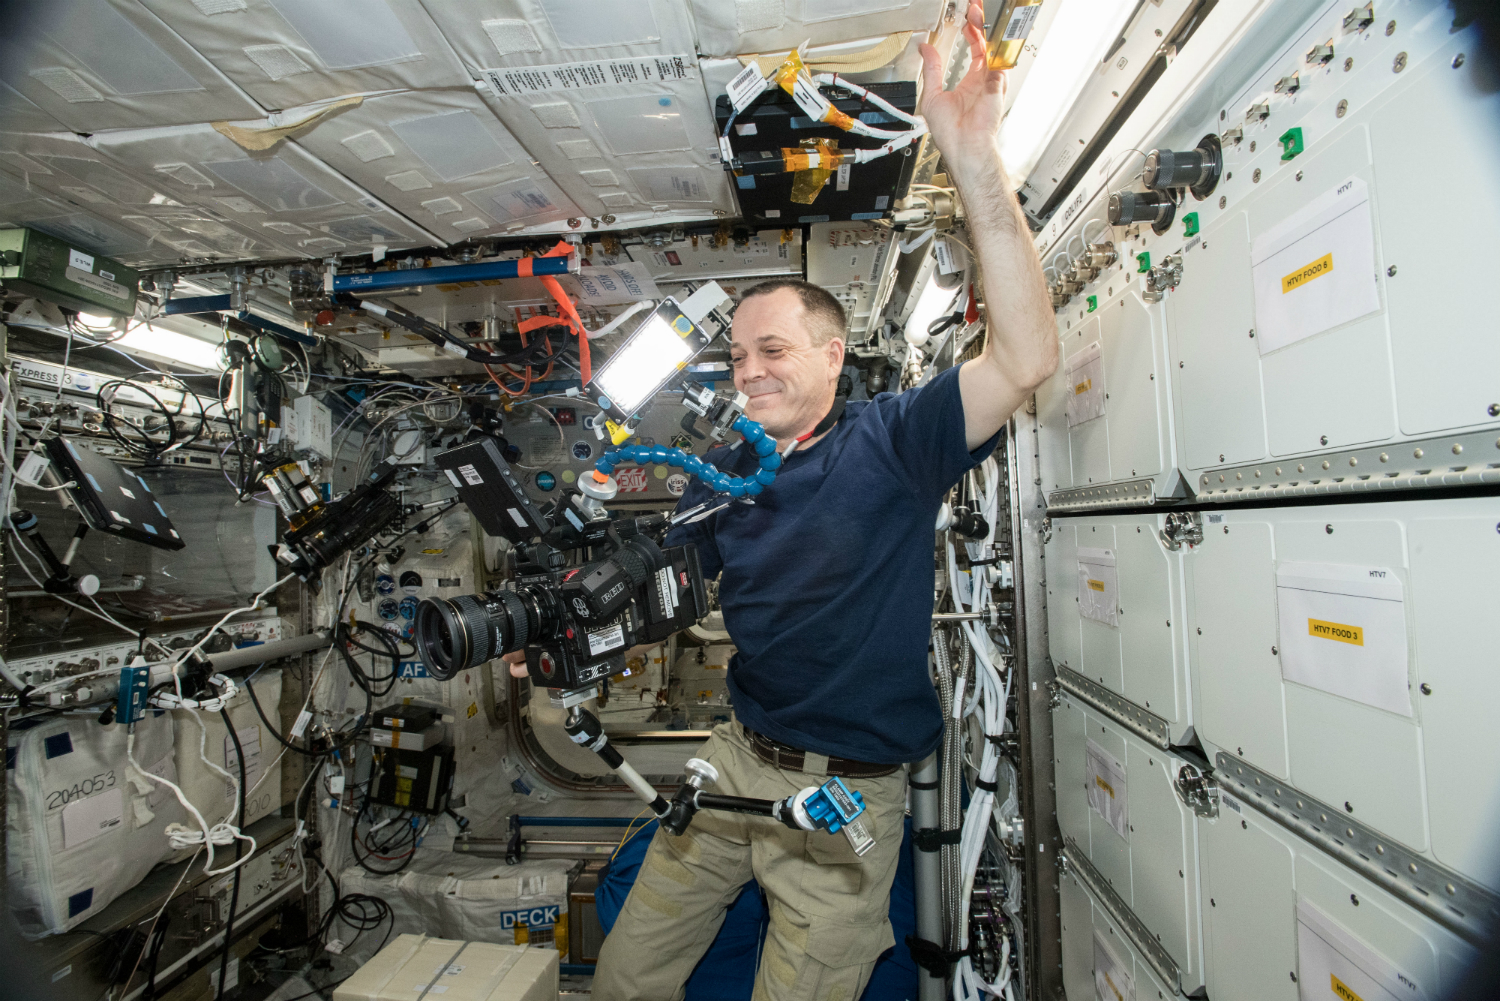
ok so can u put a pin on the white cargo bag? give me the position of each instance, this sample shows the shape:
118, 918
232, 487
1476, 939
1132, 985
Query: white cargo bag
82, 830
207, 789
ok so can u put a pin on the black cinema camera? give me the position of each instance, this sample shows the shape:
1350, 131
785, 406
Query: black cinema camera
575, 621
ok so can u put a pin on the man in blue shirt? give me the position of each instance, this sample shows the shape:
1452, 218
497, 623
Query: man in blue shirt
827, 589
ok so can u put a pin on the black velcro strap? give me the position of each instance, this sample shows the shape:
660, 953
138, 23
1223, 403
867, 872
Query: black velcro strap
923, 785
1005, 739
932, 957
930, 839
986, 786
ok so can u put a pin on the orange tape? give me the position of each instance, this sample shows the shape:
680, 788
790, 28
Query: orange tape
837, 118
523, 268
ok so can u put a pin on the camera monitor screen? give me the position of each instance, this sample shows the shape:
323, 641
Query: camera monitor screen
492, 491
111, 497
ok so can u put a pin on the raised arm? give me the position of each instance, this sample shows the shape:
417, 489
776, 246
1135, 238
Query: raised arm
1021, 345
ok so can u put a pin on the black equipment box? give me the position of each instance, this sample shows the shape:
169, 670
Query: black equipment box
491, 491
406, 717
411, 780
111, 497
869, 190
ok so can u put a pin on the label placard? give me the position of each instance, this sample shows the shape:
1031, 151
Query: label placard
1084, 395
1105, 776
1098, 585
1343, 631
1302, 276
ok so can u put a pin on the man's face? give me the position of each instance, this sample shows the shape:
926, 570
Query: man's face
789, 379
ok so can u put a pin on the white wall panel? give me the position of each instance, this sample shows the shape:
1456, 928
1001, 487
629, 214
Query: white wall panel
1257, 876
494, 34
1153, 866
731, 27
286, 53
107, 64
284, 196
1142, 657
441, 158
1423, 779
1094, 945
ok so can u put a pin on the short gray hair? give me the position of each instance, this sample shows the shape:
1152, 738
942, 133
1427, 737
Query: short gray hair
823, 310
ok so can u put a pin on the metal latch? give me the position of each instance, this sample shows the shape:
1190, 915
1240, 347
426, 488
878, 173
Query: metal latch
1198, 790
1165, 276
1046, 530
1180, 527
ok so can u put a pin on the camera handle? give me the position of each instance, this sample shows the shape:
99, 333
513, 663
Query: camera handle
830, 807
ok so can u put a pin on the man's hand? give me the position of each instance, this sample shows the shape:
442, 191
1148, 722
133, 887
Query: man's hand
964, 121
517, 661
1020, 349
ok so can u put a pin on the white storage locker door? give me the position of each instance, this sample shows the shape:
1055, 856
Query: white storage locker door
1348, 650
81, 829
1119, 561
109, 64
728, 28
207, 789
1114, 407
1099, 960
1308, 320
21, 115
1286, 921
290, 52
440, 157
287, 197
1118, 805
124, 214
1054, 446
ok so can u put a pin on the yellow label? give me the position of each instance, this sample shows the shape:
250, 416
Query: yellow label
1105, 786
403, 785
1096, 585
1353, 635
1342, 990
1300, 277
402, 799
1083, 387
473, 709
1113, 989
433, 552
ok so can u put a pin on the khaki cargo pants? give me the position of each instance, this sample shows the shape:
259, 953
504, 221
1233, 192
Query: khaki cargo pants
829, 908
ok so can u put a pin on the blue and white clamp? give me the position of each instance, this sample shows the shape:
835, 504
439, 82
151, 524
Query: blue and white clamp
833, 807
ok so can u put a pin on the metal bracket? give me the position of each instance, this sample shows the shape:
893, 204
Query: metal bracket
1181, 526
1142, 722
1198, 790
1454, 901
1157, 957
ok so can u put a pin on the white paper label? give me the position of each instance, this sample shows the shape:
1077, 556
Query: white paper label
78, 259
1105, 776
471, 475
944, 255
34, 467
747, 85
841, 182
724, 151
102, 285
515, 516
517, 80
1021, 20
453, 476
606, 639
1343, 631
746, 129
1098, 586
1112, 979
455, 349
1332, 964
1084, 392
616, 285
1316, 269
300, 726
813, 104
86, 819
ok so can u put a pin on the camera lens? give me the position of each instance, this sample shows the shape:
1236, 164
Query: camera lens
453, 634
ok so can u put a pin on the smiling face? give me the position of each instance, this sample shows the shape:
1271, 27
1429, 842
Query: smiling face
781, 365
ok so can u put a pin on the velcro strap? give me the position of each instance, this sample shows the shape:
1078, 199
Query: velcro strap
930, 839
986, 786
923, 785
932, 957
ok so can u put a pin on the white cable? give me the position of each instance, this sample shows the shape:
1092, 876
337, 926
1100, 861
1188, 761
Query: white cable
192, 651
612, 324
206, 836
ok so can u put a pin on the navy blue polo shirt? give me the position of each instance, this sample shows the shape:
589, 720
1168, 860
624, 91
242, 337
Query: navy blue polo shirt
827, 584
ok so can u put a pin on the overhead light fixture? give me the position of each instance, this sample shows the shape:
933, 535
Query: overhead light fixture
1078, 39
933, 303
172, 347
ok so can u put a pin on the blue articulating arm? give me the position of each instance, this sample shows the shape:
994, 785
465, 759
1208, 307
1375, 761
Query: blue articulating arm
735, 486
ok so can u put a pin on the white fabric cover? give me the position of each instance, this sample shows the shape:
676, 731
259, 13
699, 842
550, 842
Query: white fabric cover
205, 788
20, 114
732, 27
906, 66
70, 771
109, 64
458, 896
441, 158
289, 199
488, 34
290, 52
106, 208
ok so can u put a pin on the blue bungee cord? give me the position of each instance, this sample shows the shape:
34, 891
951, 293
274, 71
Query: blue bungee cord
721, 482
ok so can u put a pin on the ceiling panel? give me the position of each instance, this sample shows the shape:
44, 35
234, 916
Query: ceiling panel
732, 27
443, 159
286, 53
104, 64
